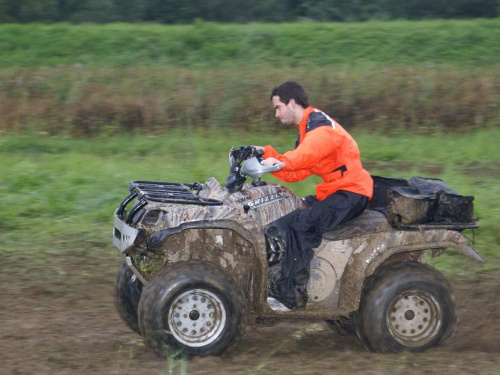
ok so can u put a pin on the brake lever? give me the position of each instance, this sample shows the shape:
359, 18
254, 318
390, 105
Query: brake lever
259, 154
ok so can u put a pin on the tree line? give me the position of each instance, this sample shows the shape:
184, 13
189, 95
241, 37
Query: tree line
239, 11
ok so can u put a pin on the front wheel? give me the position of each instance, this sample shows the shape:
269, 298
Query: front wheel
192, 307
407, 306
127, 295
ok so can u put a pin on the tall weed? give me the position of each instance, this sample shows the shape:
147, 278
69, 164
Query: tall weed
86, 102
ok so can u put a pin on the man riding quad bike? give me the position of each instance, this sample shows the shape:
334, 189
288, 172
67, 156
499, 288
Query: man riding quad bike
200, 261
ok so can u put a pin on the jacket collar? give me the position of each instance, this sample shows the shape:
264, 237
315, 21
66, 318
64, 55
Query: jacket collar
302, 127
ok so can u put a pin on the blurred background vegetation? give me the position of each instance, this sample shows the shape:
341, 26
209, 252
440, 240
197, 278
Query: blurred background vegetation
181, 11
89, 79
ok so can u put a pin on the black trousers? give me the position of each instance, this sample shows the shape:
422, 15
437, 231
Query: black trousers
304, 233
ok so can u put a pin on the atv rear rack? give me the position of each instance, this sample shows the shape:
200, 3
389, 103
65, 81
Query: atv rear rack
162, 192
452, 226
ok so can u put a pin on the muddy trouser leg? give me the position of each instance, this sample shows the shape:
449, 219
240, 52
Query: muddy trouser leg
305, 233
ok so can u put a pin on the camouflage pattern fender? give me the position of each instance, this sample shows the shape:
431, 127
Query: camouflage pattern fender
238, 249
394, 245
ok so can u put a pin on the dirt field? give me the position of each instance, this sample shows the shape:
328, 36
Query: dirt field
59, 318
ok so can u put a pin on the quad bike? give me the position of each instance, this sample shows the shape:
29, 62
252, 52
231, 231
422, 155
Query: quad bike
200, 260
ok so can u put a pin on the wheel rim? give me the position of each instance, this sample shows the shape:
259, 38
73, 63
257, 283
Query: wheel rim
414, 318
197, 317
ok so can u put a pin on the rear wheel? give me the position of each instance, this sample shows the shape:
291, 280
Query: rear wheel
192, 307
127, 295
407, 306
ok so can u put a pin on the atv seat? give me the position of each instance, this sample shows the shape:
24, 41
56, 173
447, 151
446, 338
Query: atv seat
369, 222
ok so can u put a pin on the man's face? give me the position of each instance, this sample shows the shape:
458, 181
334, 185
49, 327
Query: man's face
284, 112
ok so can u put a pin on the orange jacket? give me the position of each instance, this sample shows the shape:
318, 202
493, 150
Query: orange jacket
327, 150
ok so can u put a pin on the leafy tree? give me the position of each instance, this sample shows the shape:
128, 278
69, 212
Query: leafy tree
67, 8
321, 10
184, 11
271, 11
129, 10
418, 9
337, 10
477, 8
27, 10
99, 11
175, 11
171, 11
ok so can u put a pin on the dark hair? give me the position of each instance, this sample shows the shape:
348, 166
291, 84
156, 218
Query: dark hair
291, 90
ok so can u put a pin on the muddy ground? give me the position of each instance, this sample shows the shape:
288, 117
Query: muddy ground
59, 318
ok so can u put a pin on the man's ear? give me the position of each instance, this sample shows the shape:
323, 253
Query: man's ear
293, 102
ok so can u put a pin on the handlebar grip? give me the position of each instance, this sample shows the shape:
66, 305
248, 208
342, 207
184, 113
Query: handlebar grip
276, 167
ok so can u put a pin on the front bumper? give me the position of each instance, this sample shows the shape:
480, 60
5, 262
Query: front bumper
123, 234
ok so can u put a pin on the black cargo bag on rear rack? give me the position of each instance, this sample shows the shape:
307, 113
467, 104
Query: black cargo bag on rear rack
423, 201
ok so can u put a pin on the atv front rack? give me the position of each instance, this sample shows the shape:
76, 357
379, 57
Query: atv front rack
162, 192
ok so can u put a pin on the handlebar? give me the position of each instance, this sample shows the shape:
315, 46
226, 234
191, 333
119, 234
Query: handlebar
246, 162
254, 168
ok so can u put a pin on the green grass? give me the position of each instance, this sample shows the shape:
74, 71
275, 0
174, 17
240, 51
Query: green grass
202, 44
59, 193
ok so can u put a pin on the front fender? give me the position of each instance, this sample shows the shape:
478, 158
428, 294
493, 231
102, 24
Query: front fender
238, 249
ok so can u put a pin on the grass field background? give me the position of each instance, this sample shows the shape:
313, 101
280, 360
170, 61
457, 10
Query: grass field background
467, 43
85, 109
59, 194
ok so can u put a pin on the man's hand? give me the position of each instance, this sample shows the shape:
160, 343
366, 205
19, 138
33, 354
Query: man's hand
272, 161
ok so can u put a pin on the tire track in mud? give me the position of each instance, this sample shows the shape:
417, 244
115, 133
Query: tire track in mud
68, 325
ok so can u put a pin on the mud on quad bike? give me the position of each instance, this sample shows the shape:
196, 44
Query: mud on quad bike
200, 260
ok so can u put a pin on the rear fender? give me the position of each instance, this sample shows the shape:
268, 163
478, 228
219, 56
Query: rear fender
395, 245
